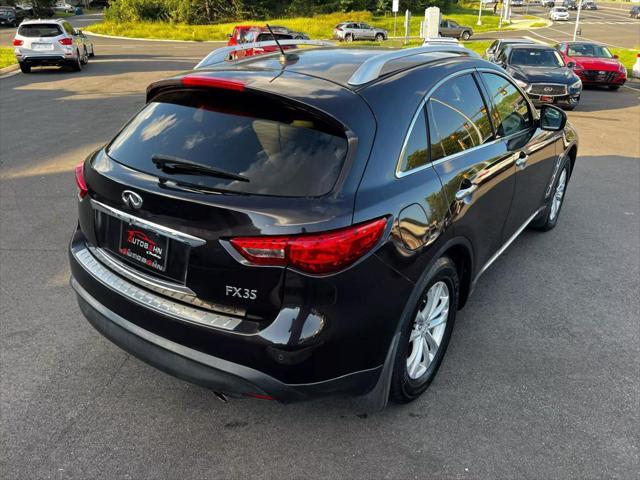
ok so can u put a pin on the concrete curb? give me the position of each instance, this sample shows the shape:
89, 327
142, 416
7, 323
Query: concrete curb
93, 34
9, 71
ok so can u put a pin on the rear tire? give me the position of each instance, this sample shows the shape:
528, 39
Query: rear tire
550, 216
77, 65
379, 37
93, 51
25, 68
614, 87
466, 35
85, 57
421, 348
348, 38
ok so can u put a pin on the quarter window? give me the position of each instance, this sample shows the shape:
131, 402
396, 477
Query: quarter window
416, 152
458, 118
511, 111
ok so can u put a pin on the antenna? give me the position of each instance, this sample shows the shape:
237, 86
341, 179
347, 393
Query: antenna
284, 58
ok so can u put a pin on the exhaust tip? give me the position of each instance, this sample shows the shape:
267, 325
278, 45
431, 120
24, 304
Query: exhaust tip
221, 396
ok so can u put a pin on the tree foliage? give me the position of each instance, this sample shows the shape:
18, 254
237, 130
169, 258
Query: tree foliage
214, 11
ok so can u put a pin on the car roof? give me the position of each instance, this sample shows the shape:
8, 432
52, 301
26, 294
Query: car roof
43, 20
337, 65
516, 40
535, 46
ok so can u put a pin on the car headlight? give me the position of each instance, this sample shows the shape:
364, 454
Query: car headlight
521, 84
577, 84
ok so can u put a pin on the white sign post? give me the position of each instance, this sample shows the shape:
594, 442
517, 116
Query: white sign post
394, 9
431, 24
575, 30
407, 25
479, 22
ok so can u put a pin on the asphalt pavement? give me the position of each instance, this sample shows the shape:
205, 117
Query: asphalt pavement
540, 380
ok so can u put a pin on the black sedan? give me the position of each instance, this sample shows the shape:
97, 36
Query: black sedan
541, 72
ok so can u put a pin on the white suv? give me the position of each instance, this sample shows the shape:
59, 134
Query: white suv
51, 42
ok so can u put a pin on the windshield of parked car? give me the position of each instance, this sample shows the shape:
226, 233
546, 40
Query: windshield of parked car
40, 30
281, 150
536, 57
560, 9
588, 50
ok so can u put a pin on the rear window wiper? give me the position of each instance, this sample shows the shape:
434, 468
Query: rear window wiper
171, 164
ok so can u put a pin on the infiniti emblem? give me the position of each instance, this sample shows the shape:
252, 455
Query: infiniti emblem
548, 89
131, 199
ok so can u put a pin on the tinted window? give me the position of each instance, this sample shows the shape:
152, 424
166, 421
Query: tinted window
536, 57
416, 151
511, 114
282, 150
40, 30
458, 118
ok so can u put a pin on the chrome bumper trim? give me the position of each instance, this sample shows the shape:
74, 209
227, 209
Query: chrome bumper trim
159, 304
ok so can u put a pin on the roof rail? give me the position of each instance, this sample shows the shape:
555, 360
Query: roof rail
224, 54
371, 68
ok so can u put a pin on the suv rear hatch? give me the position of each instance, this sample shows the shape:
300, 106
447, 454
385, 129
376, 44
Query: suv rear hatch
217, 157
41, 39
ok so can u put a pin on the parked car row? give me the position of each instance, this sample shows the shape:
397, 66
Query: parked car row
351, 31
557, 74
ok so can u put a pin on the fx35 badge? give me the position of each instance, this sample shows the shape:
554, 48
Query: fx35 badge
239, 292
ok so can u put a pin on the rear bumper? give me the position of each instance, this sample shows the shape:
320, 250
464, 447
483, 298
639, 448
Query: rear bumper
227, 360
205, 370
44, 60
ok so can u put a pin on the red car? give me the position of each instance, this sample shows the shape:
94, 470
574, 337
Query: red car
594, 64
250, 34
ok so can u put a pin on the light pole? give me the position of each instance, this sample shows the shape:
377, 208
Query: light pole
480, 13
575, 30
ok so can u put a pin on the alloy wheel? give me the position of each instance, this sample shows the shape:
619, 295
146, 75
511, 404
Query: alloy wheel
558, 195
428, 329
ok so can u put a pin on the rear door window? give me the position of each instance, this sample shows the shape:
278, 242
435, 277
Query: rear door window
415, 153
40, 30
282, 150
458, 118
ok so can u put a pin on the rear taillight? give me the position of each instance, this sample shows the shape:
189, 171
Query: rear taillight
318, 254
212, 82
65, 41
80, 183
17, 43
339, 29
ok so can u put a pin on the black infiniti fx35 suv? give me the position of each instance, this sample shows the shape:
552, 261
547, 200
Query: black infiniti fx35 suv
290, 227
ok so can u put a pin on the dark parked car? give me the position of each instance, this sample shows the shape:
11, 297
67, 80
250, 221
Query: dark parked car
589, 5
286, 31
634, 12
570, 4
278, 229
8, 16
498, 45
543, 74
449, 28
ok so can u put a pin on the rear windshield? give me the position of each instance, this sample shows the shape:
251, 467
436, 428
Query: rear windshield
40, 30
281, 149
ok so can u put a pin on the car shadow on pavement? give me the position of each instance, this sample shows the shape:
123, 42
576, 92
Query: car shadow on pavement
601, 98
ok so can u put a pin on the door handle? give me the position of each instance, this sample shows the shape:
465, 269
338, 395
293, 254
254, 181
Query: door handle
465, 192
521, 161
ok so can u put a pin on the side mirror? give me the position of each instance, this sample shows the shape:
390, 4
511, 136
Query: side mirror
552, 118
571, 64
616, 56
228, 35
79, 32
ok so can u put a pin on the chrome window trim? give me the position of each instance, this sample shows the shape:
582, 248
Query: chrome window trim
161, 229
427, 97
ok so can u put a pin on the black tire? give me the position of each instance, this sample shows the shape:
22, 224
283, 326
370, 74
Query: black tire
403, 388
379, 37
614, 87
76, 66
547, 220
25, 68
93, 51
466, 35
348, 38
85, 57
